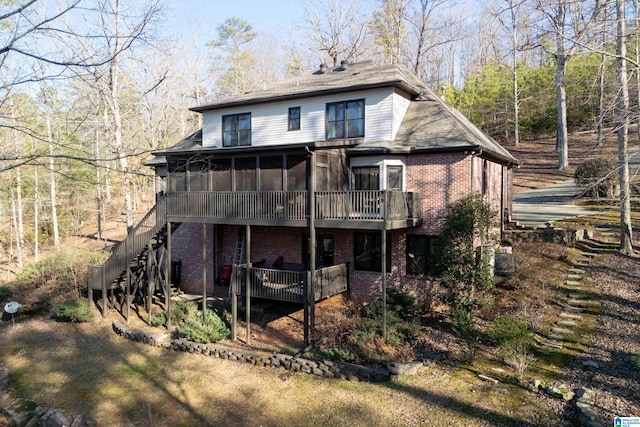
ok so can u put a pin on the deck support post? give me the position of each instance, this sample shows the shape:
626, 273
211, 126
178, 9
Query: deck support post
305, 301
167, 275
127, 298
204, 271
247, 280
383, 250
234, 302
104, 293
312, 247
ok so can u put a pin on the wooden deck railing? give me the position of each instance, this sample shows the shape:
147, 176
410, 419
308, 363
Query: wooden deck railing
131, 247
292, 205
283, 285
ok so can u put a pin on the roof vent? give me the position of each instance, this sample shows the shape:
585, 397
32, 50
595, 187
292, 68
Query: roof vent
323, 68
344, 65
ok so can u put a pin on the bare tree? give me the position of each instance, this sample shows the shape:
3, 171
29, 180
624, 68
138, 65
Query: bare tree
509, 14
337, 29
626, 245
570, 27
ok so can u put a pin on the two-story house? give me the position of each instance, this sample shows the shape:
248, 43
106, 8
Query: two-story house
353, 165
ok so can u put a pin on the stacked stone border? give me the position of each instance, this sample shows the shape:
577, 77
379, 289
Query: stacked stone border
321, 368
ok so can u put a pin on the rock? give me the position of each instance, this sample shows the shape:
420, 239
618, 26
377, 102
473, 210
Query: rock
591, 365
535, 384
488, 379
410, 368
560, 392
584, 393
56, 418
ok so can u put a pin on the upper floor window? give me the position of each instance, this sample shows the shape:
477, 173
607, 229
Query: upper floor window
294, 118
345, 119
236, 130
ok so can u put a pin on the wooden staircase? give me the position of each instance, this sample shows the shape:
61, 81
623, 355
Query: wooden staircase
136, 267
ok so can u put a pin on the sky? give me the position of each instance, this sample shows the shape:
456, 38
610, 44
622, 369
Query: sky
269, 16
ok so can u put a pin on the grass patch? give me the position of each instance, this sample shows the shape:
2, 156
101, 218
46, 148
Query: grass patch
74, 310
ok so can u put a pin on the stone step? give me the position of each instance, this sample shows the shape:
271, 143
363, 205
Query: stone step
561, 331
555, 337
541, 350
578, 296
572, 283
578, 302
572, 309
552, 344
575, 289
572, 316
584, 262
568, 323
574, 277
576, 271
589, 254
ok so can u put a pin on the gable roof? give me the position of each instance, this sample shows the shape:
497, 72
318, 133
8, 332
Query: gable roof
346, 77
429, 124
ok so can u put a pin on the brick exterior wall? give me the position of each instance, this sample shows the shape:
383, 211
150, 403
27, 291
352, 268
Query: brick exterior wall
440, 178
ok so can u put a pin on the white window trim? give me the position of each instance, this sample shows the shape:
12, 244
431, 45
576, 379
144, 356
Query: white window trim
382, 164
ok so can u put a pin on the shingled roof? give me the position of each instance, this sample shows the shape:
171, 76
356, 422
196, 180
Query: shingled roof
346, 77
430, 124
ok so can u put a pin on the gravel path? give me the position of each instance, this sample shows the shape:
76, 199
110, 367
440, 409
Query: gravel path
615, 383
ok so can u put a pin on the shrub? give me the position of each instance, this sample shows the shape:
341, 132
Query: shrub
464, 271
514, 339
53, 280
339, 354
182, 310
6, 294
508, 330
600, 175
74, 310
210, 329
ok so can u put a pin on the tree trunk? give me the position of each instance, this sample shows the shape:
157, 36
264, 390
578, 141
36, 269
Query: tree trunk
52, 187
36, 220
561, 96
626, 245
636, 13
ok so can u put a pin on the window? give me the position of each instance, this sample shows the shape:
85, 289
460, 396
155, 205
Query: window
366, 178
485, 177
294, 118
236, 130
419, 252
324, 251
367, 252
394, 178
345, 119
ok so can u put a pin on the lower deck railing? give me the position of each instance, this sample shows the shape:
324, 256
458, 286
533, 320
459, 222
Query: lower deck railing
291, 286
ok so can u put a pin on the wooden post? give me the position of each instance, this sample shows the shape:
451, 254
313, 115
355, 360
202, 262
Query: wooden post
234, 302
104, 292
167, 288
127, 292
204, 271
312, 242
305, 302
383, 251
247, 280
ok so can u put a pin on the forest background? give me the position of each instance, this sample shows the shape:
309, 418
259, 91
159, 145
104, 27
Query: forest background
90, 88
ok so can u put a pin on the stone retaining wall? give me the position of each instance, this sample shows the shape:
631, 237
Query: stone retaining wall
547, 235
323, 368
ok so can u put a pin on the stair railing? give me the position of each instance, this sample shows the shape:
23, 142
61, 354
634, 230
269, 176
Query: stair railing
131, 247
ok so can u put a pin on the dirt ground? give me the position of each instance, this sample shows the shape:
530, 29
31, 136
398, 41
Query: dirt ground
539, 160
